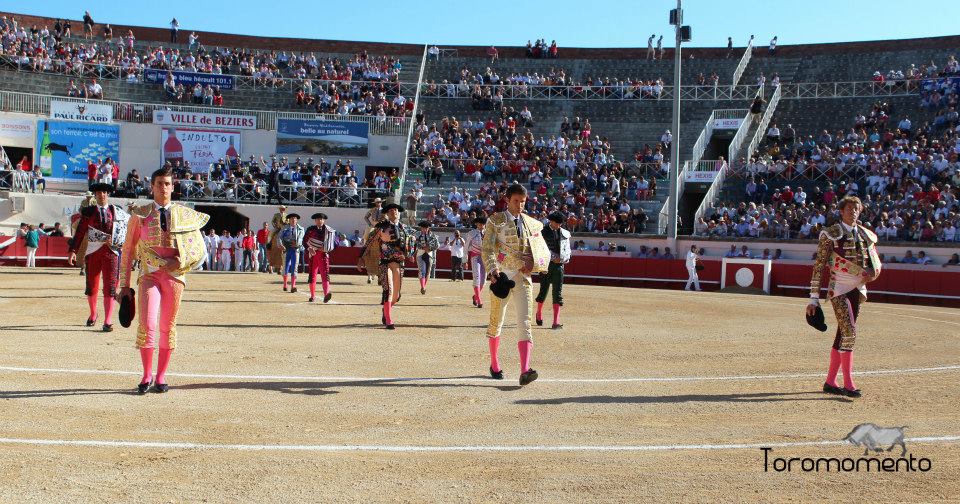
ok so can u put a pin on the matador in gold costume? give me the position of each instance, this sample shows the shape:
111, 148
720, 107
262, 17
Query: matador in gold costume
165, 238
849, 251
513, 249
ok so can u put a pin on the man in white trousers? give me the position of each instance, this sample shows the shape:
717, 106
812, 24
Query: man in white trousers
692, 278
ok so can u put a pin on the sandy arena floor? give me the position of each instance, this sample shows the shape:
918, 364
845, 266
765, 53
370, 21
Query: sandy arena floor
646, 395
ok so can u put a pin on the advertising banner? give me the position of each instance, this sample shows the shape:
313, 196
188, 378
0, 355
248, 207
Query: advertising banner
64, 148
199, 147
188, 79
81, 111
701, 177
17, 127
203, 120
307, 137
727, 123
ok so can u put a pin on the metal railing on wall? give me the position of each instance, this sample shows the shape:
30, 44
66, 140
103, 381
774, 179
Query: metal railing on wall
38, 104
416, 108
860, 89
240, 82
742, 65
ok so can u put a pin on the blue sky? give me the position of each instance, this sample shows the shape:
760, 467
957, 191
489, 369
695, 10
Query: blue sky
610, 23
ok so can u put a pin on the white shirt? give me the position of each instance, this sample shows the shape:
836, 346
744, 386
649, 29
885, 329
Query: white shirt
691, 260
456, 248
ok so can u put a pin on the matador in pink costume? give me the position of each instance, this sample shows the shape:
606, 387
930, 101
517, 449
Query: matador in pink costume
165, 238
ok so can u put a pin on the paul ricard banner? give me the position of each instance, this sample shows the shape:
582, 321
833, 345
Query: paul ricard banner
199, 147
305, 137
64, 148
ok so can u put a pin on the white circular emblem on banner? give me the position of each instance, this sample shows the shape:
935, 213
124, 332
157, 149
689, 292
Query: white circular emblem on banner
744, 277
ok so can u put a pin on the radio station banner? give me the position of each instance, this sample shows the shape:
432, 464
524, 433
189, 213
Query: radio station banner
203, 120
199, 147
81, 111
64, 148
727, 123
307, 137
189, 78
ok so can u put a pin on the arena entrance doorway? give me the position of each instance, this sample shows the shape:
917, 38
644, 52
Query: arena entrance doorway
223, 217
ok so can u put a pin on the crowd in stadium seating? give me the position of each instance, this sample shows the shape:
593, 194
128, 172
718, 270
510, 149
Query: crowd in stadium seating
556, 82
362, 85
913, 72
906, 175
573, 171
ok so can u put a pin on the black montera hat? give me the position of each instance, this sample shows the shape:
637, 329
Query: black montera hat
502, 287
817, 321
128, 309
557, 217
390, 206
480, 220
290, 216
319, 215
101, 187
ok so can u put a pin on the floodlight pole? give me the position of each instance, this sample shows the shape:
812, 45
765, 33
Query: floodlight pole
675, 142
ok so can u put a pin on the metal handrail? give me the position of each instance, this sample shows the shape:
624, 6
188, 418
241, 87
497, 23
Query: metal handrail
791, 90
117, 72
30, 103
413, 123
742, 65
329, 196
764, 121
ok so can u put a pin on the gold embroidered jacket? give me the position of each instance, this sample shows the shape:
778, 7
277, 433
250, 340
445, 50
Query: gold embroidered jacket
144, 235
847, 253
500, 240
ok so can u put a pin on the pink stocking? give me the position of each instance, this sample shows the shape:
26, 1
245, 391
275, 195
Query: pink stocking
556, 314
284, 281
92, 301
109, 305
539, 310
387, 309
423, 283
162, 362
846, 364
494, 349
326, 286
476, 294
146, 357
313, 286
293, 281
524, 348
834, 367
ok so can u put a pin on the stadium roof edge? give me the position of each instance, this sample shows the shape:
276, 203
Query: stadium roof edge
390, 48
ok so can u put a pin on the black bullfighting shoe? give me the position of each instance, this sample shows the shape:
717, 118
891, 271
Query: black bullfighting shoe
496, 375
528, 377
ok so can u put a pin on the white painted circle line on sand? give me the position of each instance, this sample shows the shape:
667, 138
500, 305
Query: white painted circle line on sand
436, 449
791, 376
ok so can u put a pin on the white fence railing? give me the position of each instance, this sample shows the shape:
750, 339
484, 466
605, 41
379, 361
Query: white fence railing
735, 144
764, 122
30, 103
240, 82
410, 128
742, 65
665, 94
